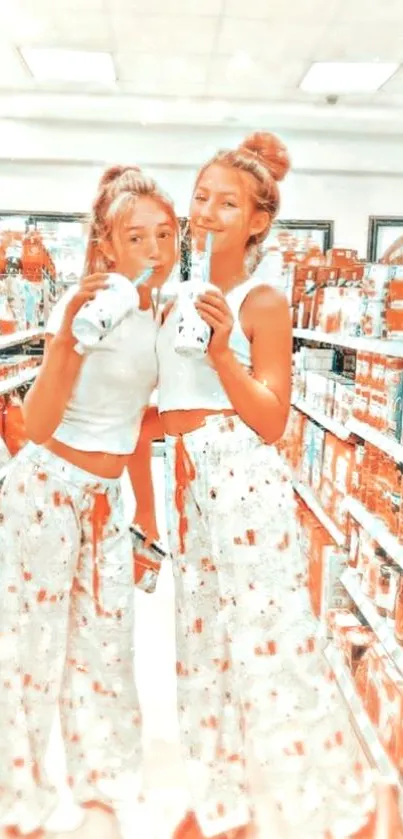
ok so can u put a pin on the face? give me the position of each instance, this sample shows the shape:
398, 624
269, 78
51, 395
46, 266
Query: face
223, 204
144, 236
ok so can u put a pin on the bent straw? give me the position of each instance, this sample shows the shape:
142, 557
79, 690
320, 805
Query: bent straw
207, 257
144, 276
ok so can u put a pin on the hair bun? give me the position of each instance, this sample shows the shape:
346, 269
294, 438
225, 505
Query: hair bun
114, 172
271, 151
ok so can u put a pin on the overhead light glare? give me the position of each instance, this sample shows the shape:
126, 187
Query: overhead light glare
80, 66
337, 77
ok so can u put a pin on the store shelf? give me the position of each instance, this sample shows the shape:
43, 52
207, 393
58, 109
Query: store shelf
308, 496
366, 733
376, 438
17, 338
330, 424
380, 625
14, 382
373, 345
376, 529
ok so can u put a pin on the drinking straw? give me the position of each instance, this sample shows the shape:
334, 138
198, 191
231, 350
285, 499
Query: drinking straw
144, 276
207, 257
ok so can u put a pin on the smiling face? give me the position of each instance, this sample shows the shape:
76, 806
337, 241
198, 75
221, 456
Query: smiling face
223, 204
143, 235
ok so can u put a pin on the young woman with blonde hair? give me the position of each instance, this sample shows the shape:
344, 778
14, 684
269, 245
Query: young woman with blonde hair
66, 617
256, 702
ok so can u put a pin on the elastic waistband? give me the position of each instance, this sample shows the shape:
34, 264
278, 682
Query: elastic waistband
230, 430
65, 470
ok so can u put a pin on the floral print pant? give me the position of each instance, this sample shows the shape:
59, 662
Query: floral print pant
255, 696
66, 635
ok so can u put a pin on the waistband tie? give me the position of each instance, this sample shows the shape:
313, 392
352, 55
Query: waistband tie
99, 518
185, 473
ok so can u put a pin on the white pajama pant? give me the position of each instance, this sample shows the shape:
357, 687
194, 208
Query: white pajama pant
257, 704
66, 635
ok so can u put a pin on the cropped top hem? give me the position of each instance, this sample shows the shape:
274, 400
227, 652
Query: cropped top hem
90, 445
165, 408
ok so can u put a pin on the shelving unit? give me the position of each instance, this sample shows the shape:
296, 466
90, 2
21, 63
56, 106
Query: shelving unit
311, 501
386, 444
381, 626
364, 730
14, 382
18, 338
376, 529
341, 431
391, 348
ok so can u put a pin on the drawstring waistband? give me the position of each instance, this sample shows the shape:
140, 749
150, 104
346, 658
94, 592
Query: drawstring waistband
185, 473
99, 517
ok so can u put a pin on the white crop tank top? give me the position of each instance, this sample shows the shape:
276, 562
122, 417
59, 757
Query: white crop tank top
113, 387
186, 383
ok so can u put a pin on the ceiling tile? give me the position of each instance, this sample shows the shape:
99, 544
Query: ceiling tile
148, 8
372, 42
302, 10
358, 11
168, 69
164, 34
254, 80
272, 40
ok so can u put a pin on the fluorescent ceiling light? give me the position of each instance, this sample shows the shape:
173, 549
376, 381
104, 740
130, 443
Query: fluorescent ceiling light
54, 65
347, 77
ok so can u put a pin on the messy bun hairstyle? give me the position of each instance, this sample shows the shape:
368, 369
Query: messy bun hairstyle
118, 188
265, 157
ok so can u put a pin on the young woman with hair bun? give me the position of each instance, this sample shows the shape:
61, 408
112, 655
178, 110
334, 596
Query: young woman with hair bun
257, 705
66, 617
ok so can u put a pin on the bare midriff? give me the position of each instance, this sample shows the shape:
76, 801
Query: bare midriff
183, 422
100, 464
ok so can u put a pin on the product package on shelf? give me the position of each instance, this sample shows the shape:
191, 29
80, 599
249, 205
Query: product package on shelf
24, 265
325, 562
348, 297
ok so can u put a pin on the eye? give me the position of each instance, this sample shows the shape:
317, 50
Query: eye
229, 204
199, 197
166, 234
135, 239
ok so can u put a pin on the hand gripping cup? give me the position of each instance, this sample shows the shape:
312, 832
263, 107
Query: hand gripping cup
147, 561
100, 316
193, 334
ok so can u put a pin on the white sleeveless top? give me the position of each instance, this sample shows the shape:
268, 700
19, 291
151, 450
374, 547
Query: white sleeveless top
113, 387
187, 383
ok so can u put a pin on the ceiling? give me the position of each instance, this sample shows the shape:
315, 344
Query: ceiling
204, 61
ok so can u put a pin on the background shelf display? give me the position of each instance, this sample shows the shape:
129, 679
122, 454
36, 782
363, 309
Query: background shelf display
308, 496
365, 731
380, 625
393, 348
376, 529
337, 428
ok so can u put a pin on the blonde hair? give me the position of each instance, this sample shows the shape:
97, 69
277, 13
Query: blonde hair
119, 188
265, 157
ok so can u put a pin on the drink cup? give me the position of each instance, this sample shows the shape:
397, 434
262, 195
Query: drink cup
193, 334
99, 317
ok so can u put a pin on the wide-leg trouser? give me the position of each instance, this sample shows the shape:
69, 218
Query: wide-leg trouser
66, 635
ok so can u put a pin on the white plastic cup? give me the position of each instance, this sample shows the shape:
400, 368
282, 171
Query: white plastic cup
99, 317
193, 334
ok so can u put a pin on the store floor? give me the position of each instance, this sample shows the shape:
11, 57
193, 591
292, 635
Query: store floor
154, 644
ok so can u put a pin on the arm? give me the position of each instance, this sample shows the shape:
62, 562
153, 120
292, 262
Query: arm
46, 401
140, 472
262, 400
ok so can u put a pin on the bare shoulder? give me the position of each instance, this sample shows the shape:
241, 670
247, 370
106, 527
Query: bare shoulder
266, 303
